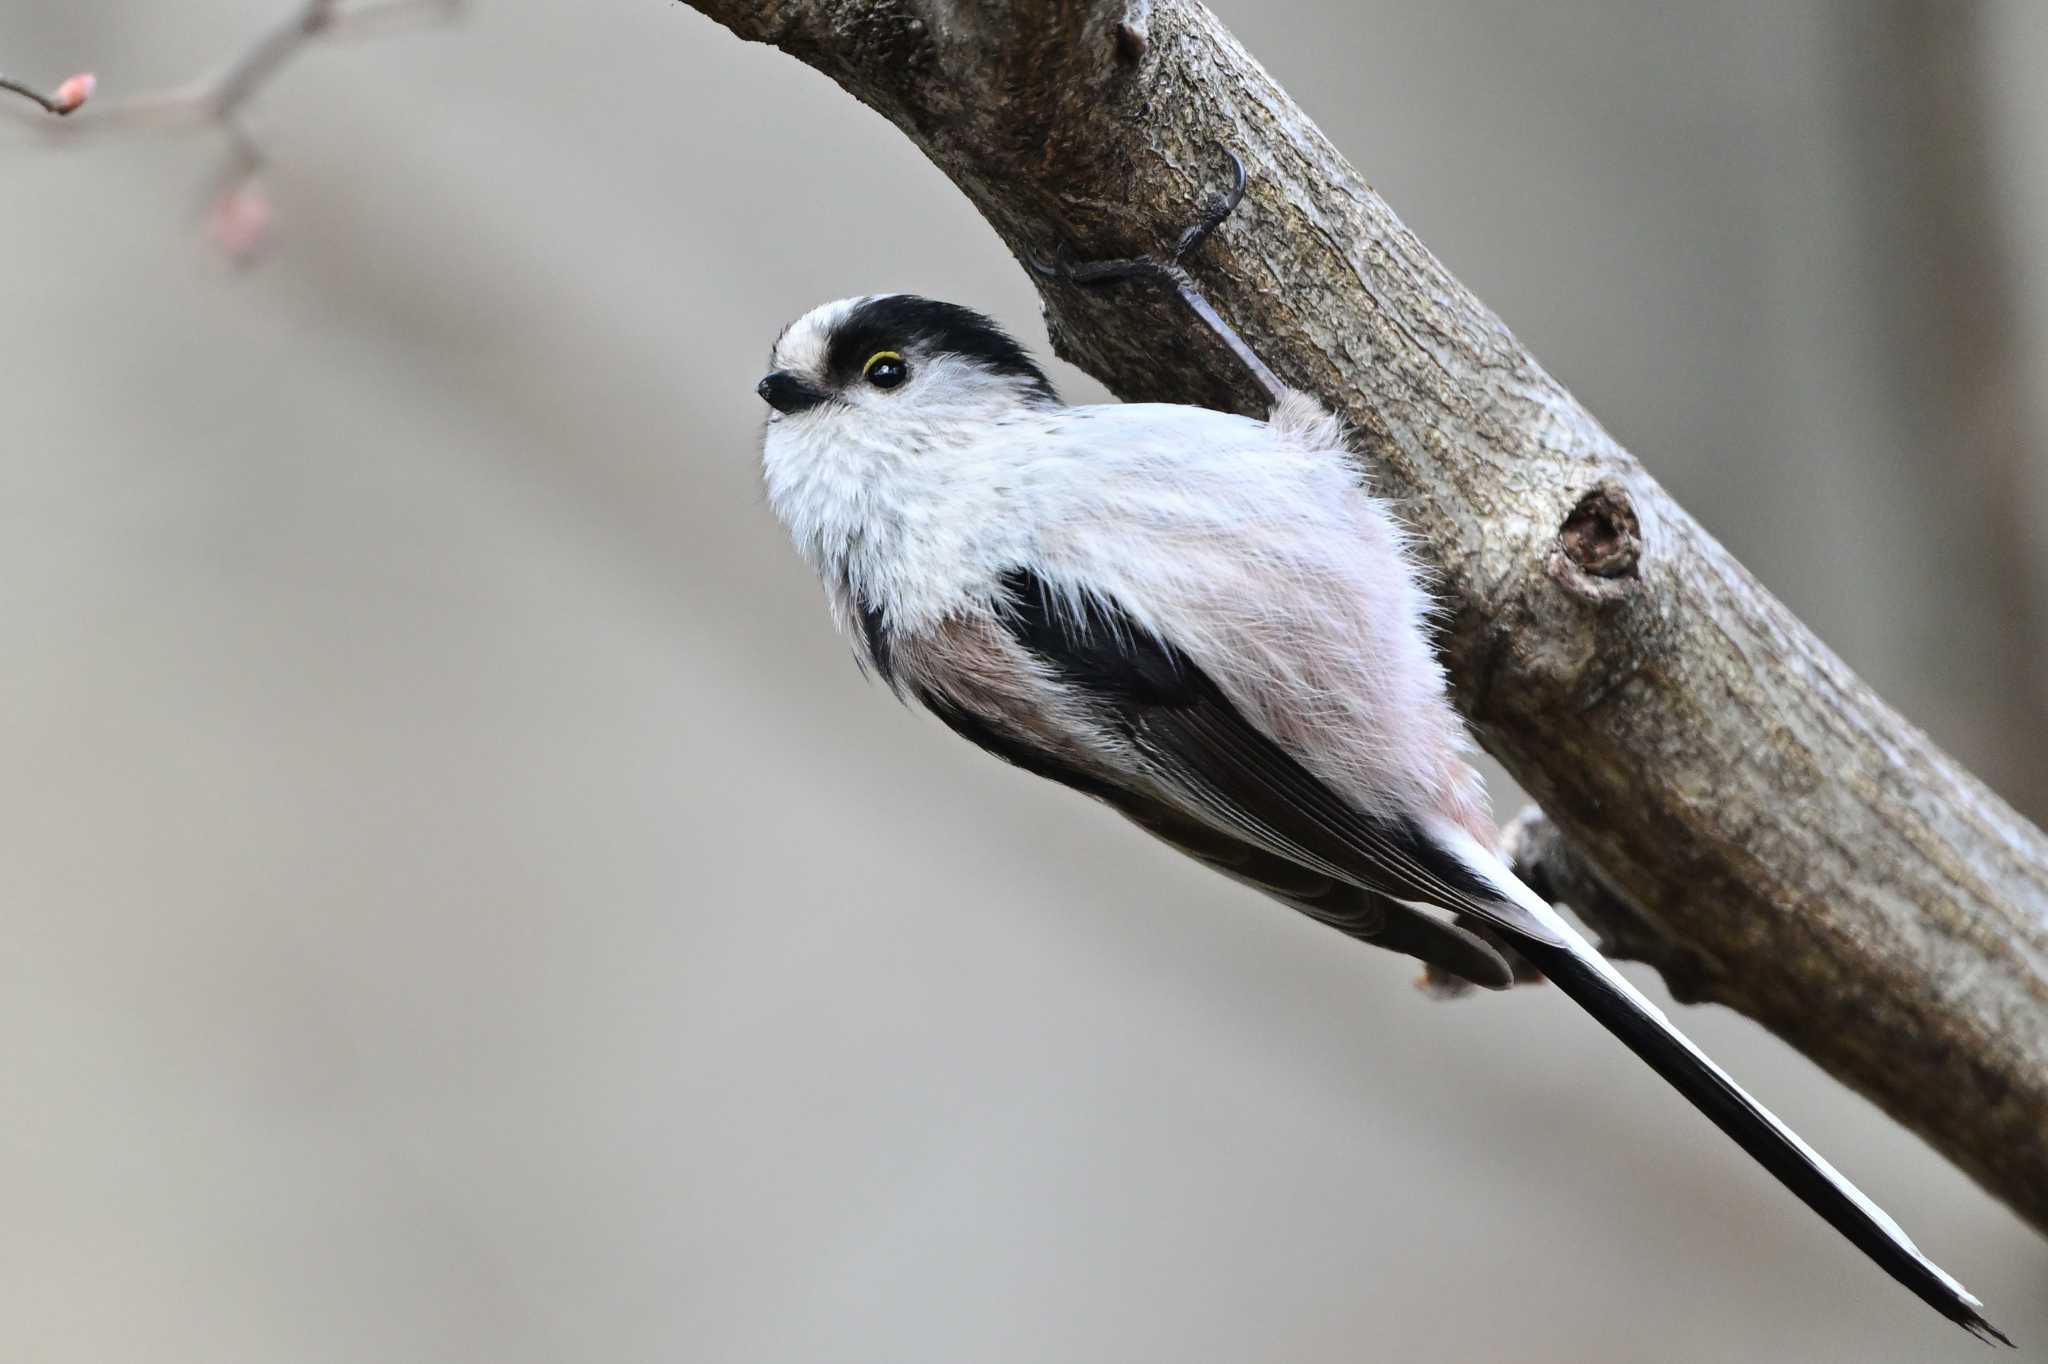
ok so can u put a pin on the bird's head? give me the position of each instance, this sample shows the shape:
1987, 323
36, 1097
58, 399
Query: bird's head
885, 453
895, 368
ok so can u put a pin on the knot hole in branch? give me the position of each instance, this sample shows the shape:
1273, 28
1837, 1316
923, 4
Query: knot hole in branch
1131, 42
1601, 536
1586, 642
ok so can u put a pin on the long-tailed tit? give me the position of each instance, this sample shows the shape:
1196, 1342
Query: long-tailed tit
1207, 623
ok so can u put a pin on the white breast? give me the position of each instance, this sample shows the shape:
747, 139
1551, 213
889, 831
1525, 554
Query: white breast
1252, 546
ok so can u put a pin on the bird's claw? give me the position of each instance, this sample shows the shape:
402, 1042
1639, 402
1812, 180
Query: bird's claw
1064, 268
1169, 271
1219, 209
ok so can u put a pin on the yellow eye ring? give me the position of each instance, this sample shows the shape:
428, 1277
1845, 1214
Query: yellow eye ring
885, 369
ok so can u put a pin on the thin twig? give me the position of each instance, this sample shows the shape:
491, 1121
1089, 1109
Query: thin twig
212, 99
240, 213
70, 96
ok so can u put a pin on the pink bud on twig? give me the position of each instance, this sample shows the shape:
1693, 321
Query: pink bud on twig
239, 221
75, 91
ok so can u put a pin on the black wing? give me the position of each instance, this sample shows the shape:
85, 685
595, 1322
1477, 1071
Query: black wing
1359, 913
1231, 772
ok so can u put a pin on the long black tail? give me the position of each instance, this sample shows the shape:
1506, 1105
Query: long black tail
1645, 1031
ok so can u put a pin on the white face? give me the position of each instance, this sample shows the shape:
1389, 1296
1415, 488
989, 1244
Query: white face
885, 413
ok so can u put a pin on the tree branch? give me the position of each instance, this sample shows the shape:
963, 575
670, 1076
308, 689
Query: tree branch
1786, 844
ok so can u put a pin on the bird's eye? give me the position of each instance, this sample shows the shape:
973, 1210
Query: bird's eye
885, 369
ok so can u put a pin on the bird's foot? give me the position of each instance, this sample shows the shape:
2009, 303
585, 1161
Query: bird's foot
1064, 268
1169, 270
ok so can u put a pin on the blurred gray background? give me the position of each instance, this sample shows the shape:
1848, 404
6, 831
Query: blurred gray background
460, 903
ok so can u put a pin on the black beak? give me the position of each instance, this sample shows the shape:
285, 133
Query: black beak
785, 392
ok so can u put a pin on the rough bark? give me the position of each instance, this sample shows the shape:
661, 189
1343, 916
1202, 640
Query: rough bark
1777, 839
